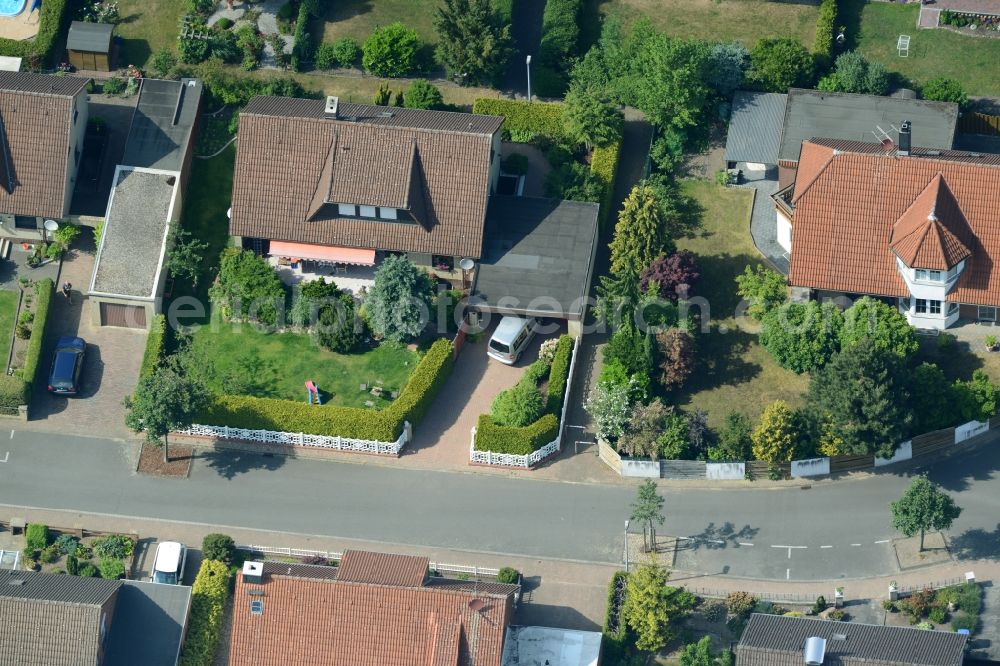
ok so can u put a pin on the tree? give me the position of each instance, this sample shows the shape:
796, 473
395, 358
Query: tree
186, 254
675, 440
163, 62
701, 654
975, 399
163, 402
329, 313
698, 434
648, 510
777, 64
591, 117
933, 400
923, 507
675, 352
735, 443
854, 73
674, 275
611, 405
650, 606
399, 301
763, 288
802, 337
863, 389
775, 439
423, 95
883, 324
640, 234
474, 43
219, 547
391, 51
728, 67
248, 287
944, 89
643, 430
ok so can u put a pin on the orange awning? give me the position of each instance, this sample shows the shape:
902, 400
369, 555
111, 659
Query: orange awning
334, 255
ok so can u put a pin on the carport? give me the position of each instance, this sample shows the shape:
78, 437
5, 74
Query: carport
538, 259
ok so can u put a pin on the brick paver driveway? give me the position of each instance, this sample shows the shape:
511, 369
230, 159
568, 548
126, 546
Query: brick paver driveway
111, 367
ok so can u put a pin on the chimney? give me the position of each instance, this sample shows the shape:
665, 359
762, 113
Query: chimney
253, 572
904, 138
815, 651
332, 104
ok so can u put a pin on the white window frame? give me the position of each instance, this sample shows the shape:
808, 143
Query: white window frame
920, 307
990, 309
934, 307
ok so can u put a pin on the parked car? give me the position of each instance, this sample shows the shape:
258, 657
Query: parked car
511, 337
64, 378
168, 565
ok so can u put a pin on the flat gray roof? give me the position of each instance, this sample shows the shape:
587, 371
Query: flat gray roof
537, 256
161, 126
815, 114
133, 243
755, 127
57, 588
148, 625
94, 37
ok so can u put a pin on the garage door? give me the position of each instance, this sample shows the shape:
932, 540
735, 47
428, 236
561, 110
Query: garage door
126, 316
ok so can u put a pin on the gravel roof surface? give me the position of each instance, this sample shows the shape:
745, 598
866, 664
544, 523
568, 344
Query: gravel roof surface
134, 231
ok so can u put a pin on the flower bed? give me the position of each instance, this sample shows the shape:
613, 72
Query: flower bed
969, 20
77, 552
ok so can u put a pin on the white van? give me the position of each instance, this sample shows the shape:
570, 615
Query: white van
511, 337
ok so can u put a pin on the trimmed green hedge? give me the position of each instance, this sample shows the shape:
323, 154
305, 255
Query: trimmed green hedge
823, 42
614, 632
604, 165
155, 346
516, 441
382, 425
522, 119
53, 17
32, 357
560, 32
558, 374
208, 604
13, 394
505, 8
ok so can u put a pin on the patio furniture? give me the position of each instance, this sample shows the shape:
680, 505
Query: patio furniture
341, 269
903, 46
364, 387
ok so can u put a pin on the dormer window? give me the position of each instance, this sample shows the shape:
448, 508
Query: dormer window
928, 275
347, 210
367, 211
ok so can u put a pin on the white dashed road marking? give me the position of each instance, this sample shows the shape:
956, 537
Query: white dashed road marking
788, 574
826, 546
5, 457
856, 545
883, 541
744, 544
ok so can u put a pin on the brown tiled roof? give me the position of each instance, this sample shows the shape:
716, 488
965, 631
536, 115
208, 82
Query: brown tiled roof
36, 117
306, 621
924, 237
361, 566
293, 165
851, 202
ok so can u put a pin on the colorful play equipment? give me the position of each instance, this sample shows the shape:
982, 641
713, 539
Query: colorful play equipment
313, 393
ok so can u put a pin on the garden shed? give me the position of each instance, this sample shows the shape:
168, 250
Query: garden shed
89, 45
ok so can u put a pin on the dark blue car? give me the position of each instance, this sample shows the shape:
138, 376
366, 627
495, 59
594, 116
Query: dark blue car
64, 379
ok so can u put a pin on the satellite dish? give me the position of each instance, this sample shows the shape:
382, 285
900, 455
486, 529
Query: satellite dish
51, 225
888, 144
467, 264
477, 605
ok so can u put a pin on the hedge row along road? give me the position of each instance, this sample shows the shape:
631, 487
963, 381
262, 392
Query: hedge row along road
777, 534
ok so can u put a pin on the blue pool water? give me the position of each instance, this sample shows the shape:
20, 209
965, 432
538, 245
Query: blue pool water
11, 7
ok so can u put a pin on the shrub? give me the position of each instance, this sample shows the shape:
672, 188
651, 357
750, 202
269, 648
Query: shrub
248, 287
823, 42
507, 575
528, 121
969, 598
346, 51
964, 621
383, 425
423, 95
219, 547
558, 374
208, 603
820, 605
112, 569
67, 544
889, 605
155, 344
938, 615
284, 16
715, 612
517, 406
740, 603
560, 31
302, 50
36, 536
72, 565
225, 23
317, 560
192, 52
778, 64
491, 436
116, 546
14, 392
88, 570
944, 89
604, 165
837, 615
49, 554
391, 51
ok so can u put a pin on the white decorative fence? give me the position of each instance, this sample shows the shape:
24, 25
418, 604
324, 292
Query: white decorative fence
303, 439
535, 457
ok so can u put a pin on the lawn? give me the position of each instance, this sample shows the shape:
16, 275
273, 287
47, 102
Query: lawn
732, 370
8, 310
721, 20
146, 27
359, 18
975, 61
277, 365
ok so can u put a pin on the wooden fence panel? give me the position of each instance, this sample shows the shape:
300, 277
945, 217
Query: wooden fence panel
609, 456
979, 123
933, 442
682, 469
839, 464
759, 469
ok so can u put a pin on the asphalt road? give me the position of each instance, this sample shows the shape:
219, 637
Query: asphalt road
830, 530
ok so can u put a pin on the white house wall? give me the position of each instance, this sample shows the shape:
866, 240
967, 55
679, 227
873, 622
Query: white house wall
784, 231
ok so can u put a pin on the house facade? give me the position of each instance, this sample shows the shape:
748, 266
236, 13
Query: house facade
917, 227
43, 120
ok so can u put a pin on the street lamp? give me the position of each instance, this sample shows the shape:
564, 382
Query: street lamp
626, 546
528, 64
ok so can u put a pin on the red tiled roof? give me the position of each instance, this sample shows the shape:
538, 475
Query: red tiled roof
308, 620
854, 207
361, 566
293, 165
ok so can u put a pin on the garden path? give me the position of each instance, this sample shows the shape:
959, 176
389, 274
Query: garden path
267, 24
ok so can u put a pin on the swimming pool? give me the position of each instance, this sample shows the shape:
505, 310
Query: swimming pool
11, 7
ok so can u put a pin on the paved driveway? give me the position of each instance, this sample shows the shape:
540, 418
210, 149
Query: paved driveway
111, 367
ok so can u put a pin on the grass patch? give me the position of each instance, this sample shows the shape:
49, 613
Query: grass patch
8, 310
971, 60
720, 20
732, 370
214, 132
279, 364
359, 18
361, 90
146, 27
